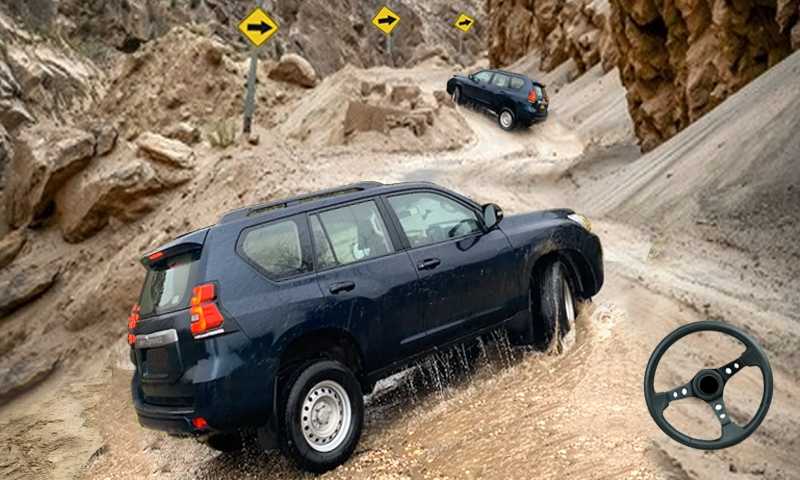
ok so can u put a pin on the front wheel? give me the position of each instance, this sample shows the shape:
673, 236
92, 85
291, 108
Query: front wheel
323, 415
552, 307
457, 95
506, 119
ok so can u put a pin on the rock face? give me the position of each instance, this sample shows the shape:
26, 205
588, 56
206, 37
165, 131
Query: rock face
44, 160
294, 69
557, 29
10, 246
25, 374
122, 186
21, 287
679, 60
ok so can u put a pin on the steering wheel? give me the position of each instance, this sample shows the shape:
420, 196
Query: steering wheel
709, 385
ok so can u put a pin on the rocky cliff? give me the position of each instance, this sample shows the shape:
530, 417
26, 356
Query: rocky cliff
677, 60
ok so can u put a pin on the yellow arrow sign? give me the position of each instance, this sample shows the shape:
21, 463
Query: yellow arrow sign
258, 27
464, 22
386, 20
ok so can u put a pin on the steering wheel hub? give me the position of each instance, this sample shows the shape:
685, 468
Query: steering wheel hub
708, 384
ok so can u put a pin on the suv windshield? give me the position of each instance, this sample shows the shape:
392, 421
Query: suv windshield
166, 286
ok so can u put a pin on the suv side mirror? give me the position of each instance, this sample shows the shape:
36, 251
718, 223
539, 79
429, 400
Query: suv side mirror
492, 215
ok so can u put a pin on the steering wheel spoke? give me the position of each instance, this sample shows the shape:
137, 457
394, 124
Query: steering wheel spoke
663, 399
748, 359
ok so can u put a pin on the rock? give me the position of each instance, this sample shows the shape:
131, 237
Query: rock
679, 60
12, 111
405, 93
26, 373
119, 186
184, 132
253, 139
368, 88
443, 99
6, 150
361, 117
11, 245
23, 286
105, 139
293, 68
171, 152
44, 159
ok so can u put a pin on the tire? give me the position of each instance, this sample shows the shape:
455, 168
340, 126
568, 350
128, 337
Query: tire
225, 442
552, 307
457, 98
319, 393
506, 119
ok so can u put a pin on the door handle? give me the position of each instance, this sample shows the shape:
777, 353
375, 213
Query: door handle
341, 287
429, 264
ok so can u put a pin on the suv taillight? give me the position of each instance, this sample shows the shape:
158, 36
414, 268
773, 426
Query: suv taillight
205, 314
532, 96
133, 319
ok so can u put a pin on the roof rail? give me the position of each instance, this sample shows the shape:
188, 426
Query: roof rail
258, 209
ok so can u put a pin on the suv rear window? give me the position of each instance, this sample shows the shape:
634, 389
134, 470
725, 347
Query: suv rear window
167, 284
517, 83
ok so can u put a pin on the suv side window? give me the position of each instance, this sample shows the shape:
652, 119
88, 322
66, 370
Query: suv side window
348, 234
517, 83
483, 76
500, 80
277, 248
428, 218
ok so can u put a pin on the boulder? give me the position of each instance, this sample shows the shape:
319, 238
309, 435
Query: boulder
405, 93
362, 117
122, 186
23, 286
105, 139
27, 372
293, 68
443, 99
12, 111
368, 88
184, 132
6, 150
11, 245
173, 153
44, 159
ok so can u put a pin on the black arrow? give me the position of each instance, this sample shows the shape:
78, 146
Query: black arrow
390, 20
262, 27
465, 22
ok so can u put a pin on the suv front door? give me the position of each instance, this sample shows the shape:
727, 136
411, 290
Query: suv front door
465, 273
369, 284
478, 89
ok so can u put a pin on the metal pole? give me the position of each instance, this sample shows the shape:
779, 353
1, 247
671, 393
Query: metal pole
461, 44
389, 45
250, 97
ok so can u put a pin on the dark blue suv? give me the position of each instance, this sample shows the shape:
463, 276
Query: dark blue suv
279, 318
514, 98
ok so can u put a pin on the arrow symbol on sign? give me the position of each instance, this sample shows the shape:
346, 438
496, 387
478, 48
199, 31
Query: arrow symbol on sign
388, 20
262, 27
465, 22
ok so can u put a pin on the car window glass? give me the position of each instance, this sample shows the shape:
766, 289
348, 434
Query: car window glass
500, 80
483, 77
517, 83
430, 218
322, 245
354, 233
276, 248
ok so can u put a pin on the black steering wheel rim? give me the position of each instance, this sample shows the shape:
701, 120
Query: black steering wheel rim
657, 402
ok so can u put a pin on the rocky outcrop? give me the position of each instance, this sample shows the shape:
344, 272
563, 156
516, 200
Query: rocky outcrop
27, 372
557, 29
23, 286
6, 150
294, 69
10, 246
122, 186
44, 159
679, 60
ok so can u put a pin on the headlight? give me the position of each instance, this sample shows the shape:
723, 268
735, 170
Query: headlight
581, 220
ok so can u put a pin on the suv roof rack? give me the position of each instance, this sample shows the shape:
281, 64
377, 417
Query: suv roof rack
261, 208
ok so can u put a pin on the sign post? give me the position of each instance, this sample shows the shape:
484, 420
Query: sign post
464, 23
385, 21
257, 27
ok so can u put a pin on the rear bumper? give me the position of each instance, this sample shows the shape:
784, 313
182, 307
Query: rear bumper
531, 115
227, 392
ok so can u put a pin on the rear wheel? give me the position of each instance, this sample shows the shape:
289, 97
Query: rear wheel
506, 119
552, 307
322, 416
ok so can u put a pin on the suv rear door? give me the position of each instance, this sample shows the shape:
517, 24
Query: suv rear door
465, 273
367, 279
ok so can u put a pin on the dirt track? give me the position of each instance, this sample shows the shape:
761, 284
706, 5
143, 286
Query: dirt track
521, 415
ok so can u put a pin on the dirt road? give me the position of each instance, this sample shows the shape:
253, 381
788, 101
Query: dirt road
520, 414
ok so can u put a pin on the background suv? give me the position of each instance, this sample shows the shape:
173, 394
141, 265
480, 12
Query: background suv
282, 315
514, 98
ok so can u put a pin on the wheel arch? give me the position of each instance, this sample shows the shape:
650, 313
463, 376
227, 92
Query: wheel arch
577, 265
